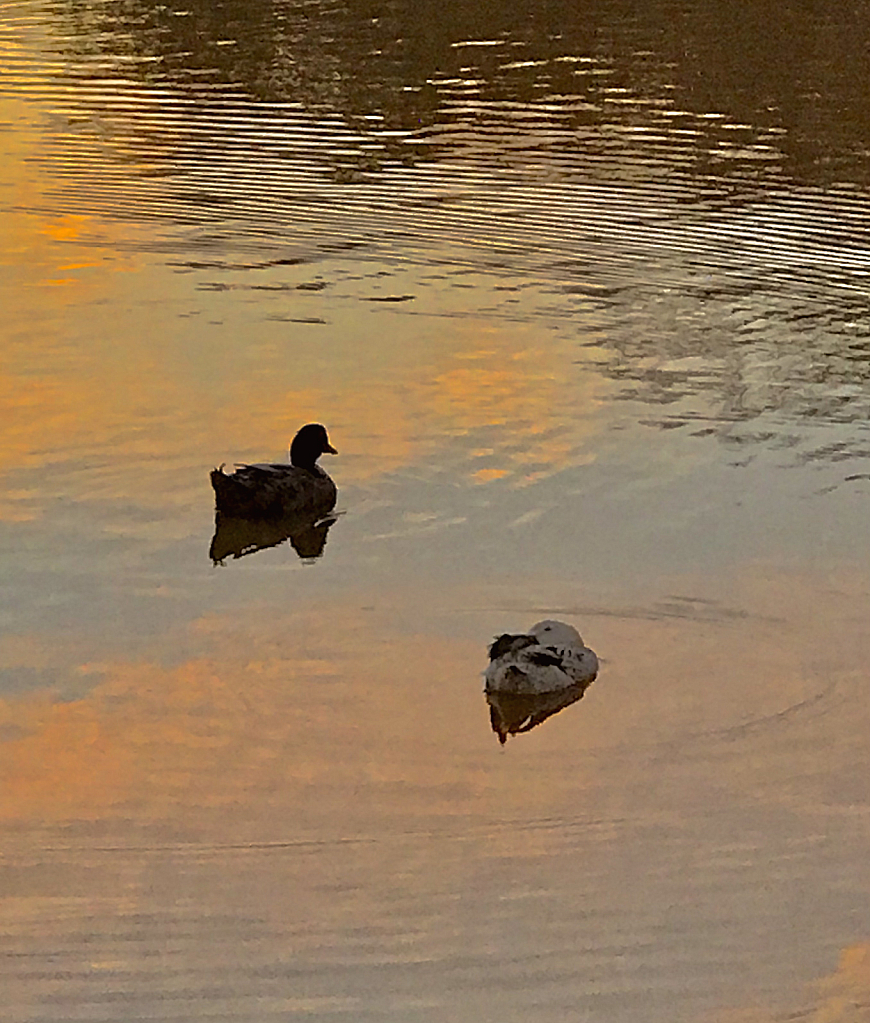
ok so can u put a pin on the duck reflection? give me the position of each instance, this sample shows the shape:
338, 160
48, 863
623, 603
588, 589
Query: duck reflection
513, 713
235, 537
535, 674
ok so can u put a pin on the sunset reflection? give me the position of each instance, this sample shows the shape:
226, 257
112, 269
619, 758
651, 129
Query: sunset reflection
118, 387
156, 740
584, 308
337, 745
840, 997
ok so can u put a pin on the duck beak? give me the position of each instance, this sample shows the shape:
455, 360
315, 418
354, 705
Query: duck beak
329, 449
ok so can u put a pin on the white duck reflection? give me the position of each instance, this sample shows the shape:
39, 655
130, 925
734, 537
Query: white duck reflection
512, 713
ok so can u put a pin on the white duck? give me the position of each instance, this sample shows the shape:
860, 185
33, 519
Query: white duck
548, 658
277, 490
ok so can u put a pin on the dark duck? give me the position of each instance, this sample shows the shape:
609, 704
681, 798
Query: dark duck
275, 490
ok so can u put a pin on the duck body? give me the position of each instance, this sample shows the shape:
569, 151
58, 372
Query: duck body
549, 658
275, 490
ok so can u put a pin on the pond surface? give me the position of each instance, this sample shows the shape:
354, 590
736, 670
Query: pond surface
581, 293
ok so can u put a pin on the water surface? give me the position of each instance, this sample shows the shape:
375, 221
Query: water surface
582, 298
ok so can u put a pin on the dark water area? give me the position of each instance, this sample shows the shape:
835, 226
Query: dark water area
796, 76
581, 292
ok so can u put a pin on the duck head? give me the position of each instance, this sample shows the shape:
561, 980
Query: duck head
550, 632
309, 444
508, 643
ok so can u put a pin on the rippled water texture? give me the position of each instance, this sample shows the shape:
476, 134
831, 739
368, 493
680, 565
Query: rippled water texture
581, 292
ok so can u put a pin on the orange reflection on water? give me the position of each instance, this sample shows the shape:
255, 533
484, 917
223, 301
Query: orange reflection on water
511, 409
333, 772
125, 394
841, 997
67, 228
246, 730
542, 413
844, 996
41, 247
332, 708
198, 376
57, 398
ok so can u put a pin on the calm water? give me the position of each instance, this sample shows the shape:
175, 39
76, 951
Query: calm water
582, 294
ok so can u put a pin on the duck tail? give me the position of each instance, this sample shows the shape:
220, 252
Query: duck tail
219, 479
242, 494
229, 496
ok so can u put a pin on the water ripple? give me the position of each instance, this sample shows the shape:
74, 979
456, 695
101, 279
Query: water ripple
596, 175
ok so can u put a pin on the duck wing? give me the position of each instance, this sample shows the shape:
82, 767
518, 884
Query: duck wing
578, 664
508, 643
544, 656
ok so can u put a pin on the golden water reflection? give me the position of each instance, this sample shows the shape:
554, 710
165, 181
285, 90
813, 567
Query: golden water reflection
319, 790
134, 403
841, 997
274, 790
274, 696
